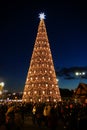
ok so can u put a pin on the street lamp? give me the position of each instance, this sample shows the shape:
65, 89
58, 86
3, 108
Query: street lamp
80, 74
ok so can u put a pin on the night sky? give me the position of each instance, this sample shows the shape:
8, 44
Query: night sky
66, 24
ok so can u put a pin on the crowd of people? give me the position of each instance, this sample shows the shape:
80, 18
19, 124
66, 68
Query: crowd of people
72, 115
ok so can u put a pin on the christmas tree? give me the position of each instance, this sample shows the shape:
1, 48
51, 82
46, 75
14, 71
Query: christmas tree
41, 83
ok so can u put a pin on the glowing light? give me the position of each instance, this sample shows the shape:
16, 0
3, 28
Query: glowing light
83, 73
50, 71
24, 93
39, 100
42, 77
43, 92
29, 92
49, 78
35, 92
2, 84
47, 100
36, 78
31, 78
34, 71
31, 100
42, 16
0, 92
46, 85
57, 80
42, 84
54, 100
50, 92
77, 73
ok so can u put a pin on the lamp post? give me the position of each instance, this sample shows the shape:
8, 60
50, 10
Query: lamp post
80, 74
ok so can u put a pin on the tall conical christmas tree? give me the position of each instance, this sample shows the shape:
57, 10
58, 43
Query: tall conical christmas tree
41, 82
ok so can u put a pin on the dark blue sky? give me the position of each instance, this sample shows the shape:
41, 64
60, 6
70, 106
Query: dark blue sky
66, 24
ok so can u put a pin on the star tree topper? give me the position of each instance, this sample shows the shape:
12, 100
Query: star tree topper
42, 16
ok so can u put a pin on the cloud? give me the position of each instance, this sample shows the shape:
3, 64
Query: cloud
69, 73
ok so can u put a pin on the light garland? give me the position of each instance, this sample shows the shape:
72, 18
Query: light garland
41, 84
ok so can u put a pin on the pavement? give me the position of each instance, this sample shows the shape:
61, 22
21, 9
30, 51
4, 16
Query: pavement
28, 125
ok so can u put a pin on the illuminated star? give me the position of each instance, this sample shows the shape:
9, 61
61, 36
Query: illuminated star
42, 16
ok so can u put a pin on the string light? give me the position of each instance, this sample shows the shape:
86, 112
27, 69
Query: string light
41, 84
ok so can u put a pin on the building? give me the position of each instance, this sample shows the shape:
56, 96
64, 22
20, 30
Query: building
81, 92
